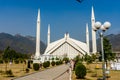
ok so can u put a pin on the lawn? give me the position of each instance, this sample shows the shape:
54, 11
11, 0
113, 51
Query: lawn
94, 74
17, 69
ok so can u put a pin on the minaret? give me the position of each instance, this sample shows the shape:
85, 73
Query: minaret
37, 53
48, 42
87, 39
94, 47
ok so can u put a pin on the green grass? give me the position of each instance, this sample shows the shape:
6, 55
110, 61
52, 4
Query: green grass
93, 73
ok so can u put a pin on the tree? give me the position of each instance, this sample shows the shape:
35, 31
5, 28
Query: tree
5, 56
77, 59
11, 54
94, 57
6, 53
88, 59
108, 55
108, 50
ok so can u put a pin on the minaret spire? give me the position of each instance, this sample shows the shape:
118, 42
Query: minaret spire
92, 15
87, 38
37, 54
48, 35
94, 47
38, 17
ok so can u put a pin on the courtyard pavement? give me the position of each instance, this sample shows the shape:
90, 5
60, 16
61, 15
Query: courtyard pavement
57, 73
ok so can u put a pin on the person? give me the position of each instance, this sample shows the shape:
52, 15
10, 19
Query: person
40, 65
69, 64
72, 62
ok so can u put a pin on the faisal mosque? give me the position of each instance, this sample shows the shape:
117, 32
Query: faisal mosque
65, 47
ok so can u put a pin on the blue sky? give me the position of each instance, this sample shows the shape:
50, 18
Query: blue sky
19, 16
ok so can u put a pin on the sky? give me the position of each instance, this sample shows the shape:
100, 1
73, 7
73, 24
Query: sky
19, 17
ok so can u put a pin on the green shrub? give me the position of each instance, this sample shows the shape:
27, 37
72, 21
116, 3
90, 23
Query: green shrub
1, 71
57, 58
46, 64
52, 58
21, 61
36, 66
27, 70
57, 62
16, 61
66, 59
9, 73
53, 63
80, 70
6, 61
1, 61
61, 62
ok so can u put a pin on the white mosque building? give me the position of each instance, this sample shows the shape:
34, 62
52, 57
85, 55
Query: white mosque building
67, 46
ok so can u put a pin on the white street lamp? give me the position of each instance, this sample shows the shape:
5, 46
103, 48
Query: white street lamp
103, 28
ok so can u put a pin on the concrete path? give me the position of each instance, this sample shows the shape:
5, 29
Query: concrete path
57, 73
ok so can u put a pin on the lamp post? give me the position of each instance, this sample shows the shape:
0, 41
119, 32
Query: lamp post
103, 28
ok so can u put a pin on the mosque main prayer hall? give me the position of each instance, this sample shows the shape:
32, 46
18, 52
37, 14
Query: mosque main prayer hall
65, 47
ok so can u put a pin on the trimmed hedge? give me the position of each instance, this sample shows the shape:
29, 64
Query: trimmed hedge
16, 61
36, 66
9, 73
46, 64
6, 61
59, 62
1, 61
53, 63
80, 70
27, 70
66, 60
21, 61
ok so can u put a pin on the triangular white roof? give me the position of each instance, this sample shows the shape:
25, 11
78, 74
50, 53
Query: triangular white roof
78, 45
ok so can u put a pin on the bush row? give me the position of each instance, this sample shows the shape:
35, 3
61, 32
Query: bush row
46, 64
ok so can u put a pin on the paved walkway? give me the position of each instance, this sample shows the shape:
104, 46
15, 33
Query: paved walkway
56, 73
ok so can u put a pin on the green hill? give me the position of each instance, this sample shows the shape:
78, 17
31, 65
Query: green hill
114, 40
23, 44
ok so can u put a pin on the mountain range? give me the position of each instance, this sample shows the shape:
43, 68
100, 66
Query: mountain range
22, 44
114, 41
26, 44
